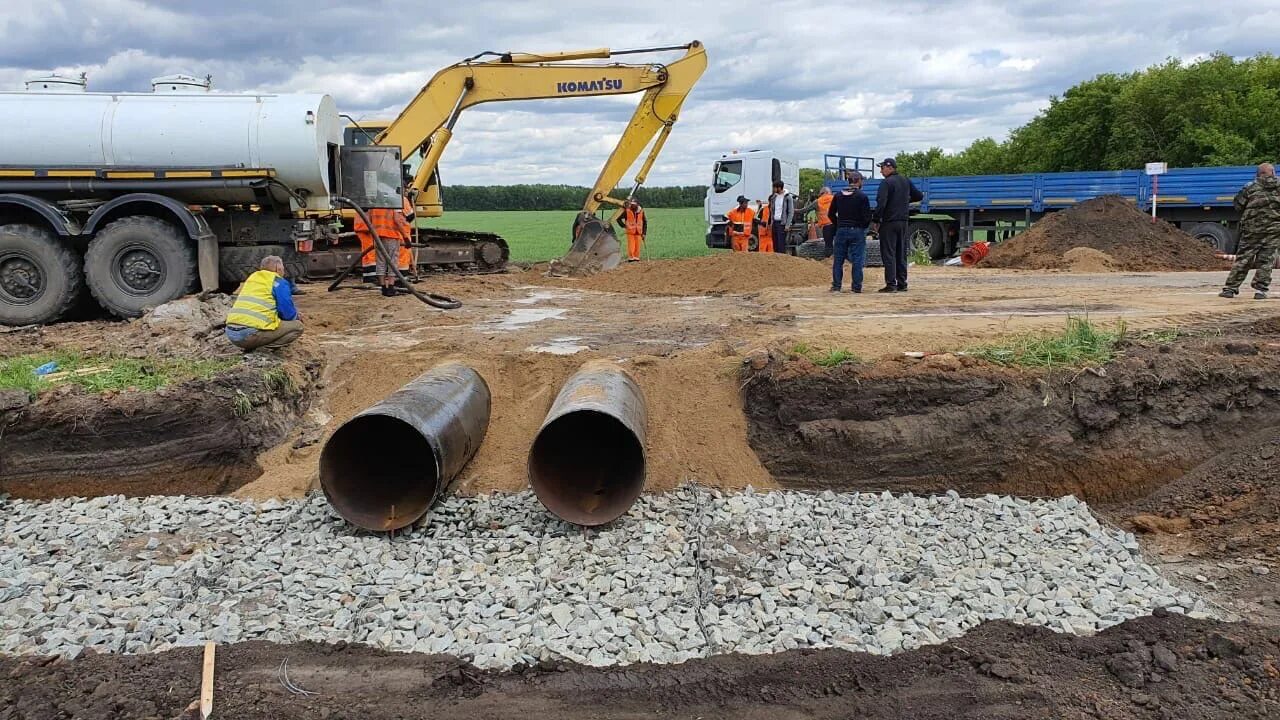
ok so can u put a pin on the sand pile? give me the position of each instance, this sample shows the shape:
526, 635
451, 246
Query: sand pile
711, 275
1123, 237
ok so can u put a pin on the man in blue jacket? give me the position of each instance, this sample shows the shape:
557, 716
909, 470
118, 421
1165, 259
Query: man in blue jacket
850, 212
893, 201
263, 314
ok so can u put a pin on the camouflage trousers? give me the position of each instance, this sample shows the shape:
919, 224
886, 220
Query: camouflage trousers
1257, 250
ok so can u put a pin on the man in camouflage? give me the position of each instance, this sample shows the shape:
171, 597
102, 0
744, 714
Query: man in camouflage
1259, 206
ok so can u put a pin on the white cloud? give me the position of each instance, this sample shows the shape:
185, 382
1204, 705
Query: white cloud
872, 78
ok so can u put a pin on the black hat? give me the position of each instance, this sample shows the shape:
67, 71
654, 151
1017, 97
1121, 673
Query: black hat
890, 162
742, 198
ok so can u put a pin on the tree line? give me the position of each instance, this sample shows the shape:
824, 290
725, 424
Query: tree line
561, 197
1215, 111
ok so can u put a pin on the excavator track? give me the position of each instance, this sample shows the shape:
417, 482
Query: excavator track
460, 252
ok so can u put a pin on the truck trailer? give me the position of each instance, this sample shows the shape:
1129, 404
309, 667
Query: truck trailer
954, 209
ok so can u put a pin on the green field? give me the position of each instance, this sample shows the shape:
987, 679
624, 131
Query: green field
535, 236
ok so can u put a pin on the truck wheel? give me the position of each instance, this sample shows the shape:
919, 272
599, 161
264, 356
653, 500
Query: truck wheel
40, 276
1215, 234
237, 263
929, 236
140, 262
812, 249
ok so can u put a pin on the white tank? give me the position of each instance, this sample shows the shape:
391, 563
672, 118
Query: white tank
291, 134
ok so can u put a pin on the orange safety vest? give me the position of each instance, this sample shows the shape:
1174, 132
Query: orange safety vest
388, 224
739, 228
766, 228
824, 209
634, 221
740, 221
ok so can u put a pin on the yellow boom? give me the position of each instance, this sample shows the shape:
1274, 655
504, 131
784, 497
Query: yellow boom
426, 124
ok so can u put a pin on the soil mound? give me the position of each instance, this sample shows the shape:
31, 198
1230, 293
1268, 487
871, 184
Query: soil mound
1162, 666
1110, 225
1083, 259
717, 274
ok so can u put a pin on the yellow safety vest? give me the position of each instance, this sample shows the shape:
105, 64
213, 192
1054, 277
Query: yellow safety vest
255, 306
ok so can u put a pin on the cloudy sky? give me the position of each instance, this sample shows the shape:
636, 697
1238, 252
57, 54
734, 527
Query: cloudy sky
866, 77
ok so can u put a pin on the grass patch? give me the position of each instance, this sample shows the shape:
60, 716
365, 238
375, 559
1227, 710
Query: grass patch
279, 381
540, 235
830, 357
1080, 343
105, 373
919, 256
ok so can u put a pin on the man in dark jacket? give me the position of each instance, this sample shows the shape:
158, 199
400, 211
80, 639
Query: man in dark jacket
893, 202
850, 212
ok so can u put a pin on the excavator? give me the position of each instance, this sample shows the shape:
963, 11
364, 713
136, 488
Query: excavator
424, 127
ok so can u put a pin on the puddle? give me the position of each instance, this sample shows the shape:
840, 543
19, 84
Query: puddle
520, 317
559, 346
538, 296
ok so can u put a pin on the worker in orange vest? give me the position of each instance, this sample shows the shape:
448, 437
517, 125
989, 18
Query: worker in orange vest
740, 219
395, 233
822, 206
636, 224
766, 228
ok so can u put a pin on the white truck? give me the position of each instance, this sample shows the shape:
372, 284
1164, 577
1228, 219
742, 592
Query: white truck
750, 174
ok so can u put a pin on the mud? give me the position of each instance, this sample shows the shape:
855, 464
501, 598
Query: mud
1156, 667
1113, 227
1111, 434
1220, 522
711, 275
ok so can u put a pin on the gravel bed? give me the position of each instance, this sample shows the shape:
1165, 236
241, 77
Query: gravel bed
498, 581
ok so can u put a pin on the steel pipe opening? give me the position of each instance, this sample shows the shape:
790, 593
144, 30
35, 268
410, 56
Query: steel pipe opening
587, 464
384, 468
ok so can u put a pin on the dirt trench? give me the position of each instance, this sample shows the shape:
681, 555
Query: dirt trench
951, 422
200, 437
1166, 666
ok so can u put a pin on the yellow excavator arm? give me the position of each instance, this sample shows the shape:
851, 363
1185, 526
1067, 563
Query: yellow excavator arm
426, 124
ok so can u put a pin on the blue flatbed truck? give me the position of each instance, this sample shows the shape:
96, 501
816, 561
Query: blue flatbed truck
955, 209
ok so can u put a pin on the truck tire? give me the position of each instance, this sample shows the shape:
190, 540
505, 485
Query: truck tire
1215, 234
929, 235
237, 262
812, 249
140, 262
40, 276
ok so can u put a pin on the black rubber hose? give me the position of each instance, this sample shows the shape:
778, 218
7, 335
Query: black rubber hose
443, 302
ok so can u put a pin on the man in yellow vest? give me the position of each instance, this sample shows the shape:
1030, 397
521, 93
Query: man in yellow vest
263, 314
633, 220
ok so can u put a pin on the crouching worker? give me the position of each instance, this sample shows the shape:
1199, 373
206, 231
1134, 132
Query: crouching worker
263, 314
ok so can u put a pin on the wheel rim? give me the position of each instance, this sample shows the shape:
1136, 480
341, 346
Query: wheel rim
921, 240
21, 280
137, 270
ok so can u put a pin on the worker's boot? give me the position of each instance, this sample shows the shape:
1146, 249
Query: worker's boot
389, 292
1228, 293
888, 289
1260, 295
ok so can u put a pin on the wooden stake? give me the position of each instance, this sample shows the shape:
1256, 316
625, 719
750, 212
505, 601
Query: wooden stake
206, 683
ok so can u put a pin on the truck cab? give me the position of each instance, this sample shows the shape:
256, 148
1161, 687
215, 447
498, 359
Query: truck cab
748, 173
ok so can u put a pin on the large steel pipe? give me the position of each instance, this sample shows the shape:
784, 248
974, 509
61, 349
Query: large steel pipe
384, 468
587, 463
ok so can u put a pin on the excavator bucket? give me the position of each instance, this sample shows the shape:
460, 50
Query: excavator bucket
595, 248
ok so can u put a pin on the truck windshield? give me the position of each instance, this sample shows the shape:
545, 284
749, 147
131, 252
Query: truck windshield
727, 174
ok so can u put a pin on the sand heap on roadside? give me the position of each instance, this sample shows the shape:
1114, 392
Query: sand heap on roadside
716, 274
1102, 235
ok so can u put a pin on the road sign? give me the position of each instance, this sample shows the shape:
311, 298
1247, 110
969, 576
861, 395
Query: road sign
1157, 168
